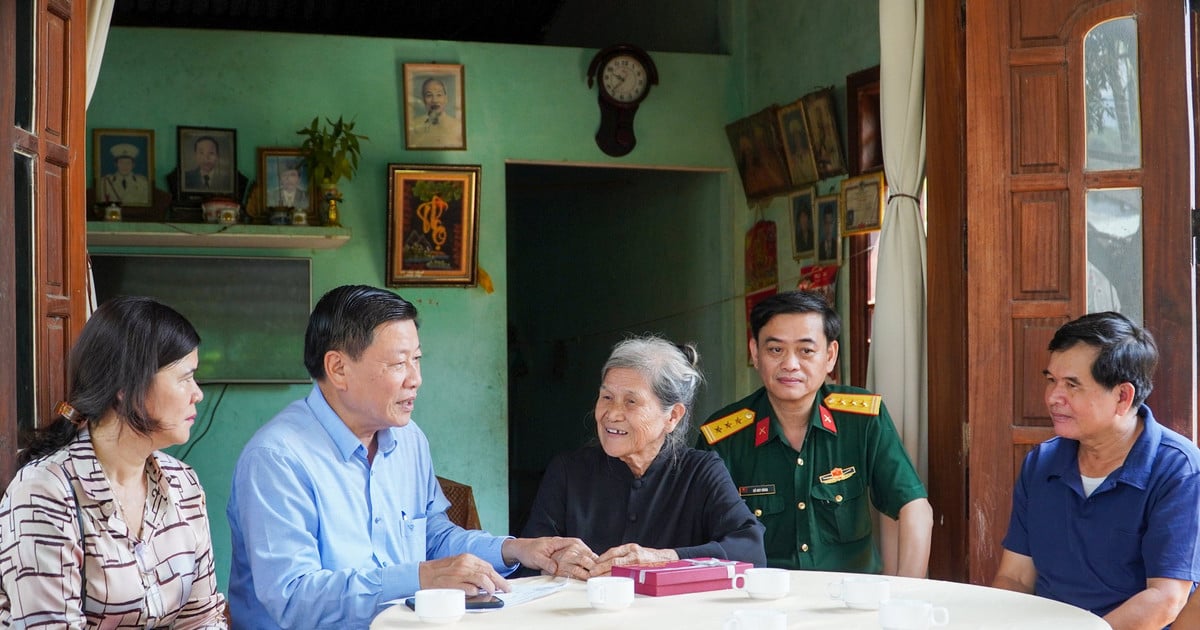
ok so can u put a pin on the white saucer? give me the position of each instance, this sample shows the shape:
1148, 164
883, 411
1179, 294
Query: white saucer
441, 620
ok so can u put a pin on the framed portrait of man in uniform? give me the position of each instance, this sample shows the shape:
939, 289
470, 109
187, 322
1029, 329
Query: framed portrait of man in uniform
123, 166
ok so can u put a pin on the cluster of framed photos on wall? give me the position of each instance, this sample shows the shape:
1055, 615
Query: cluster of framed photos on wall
123, 162
433, 210
787, 150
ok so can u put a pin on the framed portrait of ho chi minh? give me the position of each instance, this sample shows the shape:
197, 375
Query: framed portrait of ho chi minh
433, 225
435, 106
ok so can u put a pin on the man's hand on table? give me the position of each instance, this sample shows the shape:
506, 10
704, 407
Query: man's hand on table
467, 572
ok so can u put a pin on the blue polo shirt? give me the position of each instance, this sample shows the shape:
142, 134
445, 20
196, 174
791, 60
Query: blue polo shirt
1142, 521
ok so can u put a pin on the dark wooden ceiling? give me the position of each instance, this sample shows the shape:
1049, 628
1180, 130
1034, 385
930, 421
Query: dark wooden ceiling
660, 25
502, 21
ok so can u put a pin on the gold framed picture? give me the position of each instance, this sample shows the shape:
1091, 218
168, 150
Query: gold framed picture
433, 225
862, 203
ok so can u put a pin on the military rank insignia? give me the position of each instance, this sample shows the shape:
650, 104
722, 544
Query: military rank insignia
862, 404
722, 428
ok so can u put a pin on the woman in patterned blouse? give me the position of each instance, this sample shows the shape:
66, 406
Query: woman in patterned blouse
99, 528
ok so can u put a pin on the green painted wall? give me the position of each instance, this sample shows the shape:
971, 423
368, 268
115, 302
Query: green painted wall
784, 49
523, 103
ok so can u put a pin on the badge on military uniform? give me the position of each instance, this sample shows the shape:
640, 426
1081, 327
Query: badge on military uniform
837, 474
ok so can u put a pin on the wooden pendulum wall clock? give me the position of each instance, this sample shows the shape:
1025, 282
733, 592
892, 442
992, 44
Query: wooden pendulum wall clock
624, 74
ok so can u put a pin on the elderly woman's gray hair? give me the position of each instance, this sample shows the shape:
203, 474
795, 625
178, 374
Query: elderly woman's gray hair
671, 371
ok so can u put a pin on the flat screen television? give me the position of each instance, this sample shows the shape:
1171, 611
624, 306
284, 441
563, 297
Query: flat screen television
251, 312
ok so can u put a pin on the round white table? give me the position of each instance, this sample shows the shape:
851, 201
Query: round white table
807, 606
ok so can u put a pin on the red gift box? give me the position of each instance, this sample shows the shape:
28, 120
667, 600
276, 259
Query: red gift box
681, 576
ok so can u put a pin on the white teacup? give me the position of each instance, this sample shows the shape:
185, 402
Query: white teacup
610, 593
764, 583
756, 619
440, 605
911, 614
863, 592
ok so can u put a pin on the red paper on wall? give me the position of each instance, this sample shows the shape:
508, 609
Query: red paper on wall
694, 575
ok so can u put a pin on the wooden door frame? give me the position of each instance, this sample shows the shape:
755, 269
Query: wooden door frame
8, 267
946, 200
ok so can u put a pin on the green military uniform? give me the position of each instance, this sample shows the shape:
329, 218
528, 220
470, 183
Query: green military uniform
814, 502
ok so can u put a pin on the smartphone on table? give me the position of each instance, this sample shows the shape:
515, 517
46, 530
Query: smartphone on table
478, 602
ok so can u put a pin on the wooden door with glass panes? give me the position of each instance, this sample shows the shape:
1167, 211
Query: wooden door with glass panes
42, 220
1079, 192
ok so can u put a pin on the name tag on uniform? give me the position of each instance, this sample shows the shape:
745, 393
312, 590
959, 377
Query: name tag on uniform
755, 491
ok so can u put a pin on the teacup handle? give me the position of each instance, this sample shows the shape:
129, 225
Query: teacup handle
740, 587
835, 590
939, 616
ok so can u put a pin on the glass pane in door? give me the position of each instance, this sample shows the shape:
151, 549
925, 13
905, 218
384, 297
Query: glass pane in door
1110, 73
1114, 251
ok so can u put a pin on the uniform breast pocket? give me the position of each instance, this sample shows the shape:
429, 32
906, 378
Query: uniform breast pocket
765, 507
842, 510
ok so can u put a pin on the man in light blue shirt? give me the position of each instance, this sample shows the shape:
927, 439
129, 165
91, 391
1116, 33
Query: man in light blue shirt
335, 510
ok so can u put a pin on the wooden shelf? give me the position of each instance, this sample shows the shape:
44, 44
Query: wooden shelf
132, 234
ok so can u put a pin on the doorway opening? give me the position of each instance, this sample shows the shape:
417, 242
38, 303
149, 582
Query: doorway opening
596, 254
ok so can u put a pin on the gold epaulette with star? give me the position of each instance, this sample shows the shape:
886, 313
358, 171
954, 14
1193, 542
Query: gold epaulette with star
722, 428
862, 404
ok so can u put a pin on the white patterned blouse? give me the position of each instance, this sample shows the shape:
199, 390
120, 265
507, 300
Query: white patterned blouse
166, 579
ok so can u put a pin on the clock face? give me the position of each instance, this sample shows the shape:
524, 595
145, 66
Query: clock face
624, 79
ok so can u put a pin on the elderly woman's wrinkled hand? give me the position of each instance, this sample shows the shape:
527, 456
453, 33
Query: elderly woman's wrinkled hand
630, 553
574, 560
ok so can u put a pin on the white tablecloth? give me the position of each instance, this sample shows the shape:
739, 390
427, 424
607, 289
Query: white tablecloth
807, 606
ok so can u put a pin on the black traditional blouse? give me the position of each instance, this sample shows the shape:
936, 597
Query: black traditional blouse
688, 504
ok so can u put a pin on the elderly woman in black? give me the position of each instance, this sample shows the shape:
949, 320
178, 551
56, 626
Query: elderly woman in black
642, 495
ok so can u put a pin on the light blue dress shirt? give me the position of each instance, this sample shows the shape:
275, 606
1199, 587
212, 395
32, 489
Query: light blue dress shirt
321, 537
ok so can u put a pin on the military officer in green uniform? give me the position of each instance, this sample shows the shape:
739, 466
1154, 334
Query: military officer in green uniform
811, 458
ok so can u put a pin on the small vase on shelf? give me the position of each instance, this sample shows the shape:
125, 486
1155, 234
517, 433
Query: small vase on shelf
332, 197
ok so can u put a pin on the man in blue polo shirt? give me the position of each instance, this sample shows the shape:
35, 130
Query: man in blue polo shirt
1106, 516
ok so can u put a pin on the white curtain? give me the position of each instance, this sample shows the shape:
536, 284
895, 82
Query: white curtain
98, 19
897, 364
99, 16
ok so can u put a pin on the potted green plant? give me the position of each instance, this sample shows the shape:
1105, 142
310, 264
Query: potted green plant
331, 151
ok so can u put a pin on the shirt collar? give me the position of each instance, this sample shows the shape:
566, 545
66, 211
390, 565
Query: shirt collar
814, 418
1136, 469
343, 438
95, 484
1138, 463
